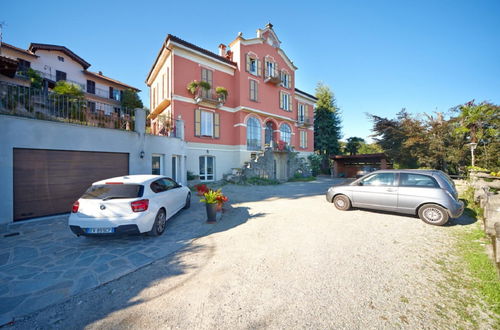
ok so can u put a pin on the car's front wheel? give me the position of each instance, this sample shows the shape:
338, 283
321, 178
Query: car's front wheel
433, 214
188, 202
159, 224
342, 202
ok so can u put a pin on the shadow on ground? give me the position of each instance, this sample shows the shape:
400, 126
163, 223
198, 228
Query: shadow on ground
86, 308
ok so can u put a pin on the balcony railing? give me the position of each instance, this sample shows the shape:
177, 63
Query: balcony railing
305, 121
209, 97
272, 75
27, 102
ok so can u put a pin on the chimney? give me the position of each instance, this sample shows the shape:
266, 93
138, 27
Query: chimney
222, 50
229, 55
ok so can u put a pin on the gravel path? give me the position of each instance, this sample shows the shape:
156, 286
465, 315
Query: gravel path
282, 257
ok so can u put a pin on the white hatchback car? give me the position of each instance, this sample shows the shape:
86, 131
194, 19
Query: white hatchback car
129, 204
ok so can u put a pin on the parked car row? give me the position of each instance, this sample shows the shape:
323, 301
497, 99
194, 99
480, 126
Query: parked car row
430, 194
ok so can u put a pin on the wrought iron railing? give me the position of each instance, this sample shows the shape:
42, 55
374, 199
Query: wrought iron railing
40, 104
303, 120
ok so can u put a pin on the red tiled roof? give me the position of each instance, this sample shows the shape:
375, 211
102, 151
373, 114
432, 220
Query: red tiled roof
26, 52
98, 75
193, 47
306, 94
199, 49
35, 46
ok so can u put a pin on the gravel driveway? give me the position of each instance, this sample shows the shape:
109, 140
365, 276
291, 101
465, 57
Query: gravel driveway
282, 257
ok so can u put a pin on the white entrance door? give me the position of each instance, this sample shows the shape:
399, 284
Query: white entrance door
207, 168
157, 164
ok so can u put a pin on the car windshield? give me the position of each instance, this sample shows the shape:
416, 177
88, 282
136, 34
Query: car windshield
113, 191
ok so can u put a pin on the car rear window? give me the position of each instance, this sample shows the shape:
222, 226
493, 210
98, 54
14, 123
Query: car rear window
417, 180
109, 191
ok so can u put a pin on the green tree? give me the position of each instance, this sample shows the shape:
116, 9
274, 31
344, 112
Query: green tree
369, 148
72, 91
131, 100
36, 81
391, 135
480, 123
353, 144
327, 125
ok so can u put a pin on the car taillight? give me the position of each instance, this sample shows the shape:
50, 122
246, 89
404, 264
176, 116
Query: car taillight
140, 206
76, 205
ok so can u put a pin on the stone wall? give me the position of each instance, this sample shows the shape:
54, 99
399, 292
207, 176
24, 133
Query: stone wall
263, 166
484, 193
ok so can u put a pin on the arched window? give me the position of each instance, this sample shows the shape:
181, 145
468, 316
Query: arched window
286, 133
253, 134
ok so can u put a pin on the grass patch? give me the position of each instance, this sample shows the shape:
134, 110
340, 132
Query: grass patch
302, 179
483, 274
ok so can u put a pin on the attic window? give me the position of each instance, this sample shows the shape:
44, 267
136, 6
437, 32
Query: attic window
60, 58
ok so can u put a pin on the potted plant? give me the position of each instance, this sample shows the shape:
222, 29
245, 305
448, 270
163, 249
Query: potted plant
193, 86
221, 93
221, 199
201, 189
210, 200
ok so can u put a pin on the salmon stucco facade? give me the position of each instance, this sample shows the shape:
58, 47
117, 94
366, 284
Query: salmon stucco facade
234, 104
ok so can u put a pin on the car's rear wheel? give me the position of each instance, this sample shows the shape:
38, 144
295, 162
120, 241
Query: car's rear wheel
160, 223
433, 214
188, 202
342, 202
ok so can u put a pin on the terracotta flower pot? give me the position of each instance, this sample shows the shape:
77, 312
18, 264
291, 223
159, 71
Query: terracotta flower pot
211, 212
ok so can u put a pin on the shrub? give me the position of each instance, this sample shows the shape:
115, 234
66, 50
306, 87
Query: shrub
258, 181
315, 163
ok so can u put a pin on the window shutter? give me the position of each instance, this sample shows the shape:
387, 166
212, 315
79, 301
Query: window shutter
256, 90
290, 85
259, 68
281, 100
197, 122
306, 111
305, 139
290, 103
248, 63
216, 125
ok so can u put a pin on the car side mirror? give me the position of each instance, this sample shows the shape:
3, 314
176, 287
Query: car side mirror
360, 183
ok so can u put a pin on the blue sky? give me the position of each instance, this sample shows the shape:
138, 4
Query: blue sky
377, 56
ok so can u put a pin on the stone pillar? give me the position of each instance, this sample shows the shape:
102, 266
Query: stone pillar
179, 128
383, 164
335, 171
140, 121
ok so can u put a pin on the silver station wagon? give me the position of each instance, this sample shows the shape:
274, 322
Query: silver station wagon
430, 194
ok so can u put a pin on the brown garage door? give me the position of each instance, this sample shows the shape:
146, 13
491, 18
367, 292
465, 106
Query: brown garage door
47, 182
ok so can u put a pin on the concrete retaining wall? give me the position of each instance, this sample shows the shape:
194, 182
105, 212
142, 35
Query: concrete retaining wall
17, 132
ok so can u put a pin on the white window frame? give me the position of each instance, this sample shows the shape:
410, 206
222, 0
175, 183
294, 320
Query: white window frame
255, 82
286, 136
303, 139
254, 133
206, 123
301, 113
205, 177
160, 156
285, 101
253, 61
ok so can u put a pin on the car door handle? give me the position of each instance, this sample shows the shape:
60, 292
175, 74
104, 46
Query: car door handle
391, 189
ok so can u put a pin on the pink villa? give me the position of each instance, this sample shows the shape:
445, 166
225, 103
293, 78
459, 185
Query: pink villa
235, 105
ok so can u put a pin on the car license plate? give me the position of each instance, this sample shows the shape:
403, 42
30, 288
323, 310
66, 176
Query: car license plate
100, 230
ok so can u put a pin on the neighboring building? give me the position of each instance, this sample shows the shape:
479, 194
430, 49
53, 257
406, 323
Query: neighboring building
54, 63
262, 109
